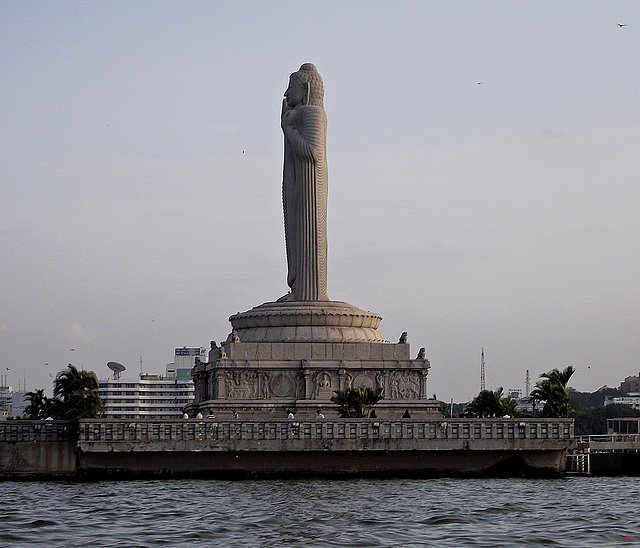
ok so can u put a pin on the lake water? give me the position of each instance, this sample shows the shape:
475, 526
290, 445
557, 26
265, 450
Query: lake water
573, 511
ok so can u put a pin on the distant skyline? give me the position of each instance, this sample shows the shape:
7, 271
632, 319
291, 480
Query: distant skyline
483, 180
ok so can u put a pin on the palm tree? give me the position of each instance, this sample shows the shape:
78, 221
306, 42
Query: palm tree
509, 406
356, 402
487, 403
342, 399
76, 394
38, 407
560, 377
553, 391
493, 404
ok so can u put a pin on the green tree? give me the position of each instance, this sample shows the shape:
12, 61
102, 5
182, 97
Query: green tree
356, 402
444, 408
553, 391
39, 405
487, 403
590, 400
590, 422
509, 406
493, 404
76, 395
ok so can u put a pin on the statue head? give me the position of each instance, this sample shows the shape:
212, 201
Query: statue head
305, 86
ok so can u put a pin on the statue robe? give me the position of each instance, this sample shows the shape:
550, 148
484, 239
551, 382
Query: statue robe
304, 196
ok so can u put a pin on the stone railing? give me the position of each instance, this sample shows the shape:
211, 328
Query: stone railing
113, 432
351, 446
19, 430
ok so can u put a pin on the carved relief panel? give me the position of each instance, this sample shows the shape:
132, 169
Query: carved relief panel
263, 385
404, 385
242, 384
323, 386
282, 385
363, 379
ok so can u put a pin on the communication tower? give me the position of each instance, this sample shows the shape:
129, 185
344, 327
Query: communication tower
527, 384
482, 370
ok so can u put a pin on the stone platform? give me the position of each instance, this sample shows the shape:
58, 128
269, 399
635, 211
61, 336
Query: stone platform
285, 356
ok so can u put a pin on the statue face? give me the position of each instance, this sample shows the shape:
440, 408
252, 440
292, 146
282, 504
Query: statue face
296, 93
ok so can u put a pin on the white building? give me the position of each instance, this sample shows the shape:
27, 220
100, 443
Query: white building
632, 400
5, 398
152, 396
13, 401
19, 403
514, 393
185, 358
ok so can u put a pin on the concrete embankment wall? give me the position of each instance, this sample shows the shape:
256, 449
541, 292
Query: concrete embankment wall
331, 447
212, 448
246, 464
32, 449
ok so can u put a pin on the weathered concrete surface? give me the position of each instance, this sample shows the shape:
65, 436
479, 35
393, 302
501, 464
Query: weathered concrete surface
228, 464
44, 459
36, 449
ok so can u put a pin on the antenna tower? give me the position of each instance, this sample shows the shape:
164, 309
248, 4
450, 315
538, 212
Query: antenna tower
527, 384
482, 370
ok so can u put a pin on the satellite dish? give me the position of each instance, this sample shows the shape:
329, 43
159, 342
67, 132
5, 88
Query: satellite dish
117, 368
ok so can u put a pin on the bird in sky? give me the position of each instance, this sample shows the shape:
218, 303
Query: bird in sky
622, 25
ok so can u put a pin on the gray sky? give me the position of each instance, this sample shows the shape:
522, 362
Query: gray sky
483, 179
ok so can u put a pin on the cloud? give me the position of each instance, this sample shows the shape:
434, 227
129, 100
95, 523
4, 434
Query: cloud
77, 332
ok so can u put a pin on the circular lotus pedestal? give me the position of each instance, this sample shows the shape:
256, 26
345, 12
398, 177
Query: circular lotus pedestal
302, 321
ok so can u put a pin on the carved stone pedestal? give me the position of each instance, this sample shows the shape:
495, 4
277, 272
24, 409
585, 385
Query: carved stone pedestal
295, 355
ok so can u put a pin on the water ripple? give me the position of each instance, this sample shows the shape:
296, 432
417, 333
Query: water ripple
395, 513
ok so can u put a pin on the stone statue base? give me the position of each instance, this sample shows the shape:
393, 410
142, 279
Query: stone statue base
293, 356
307, 321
